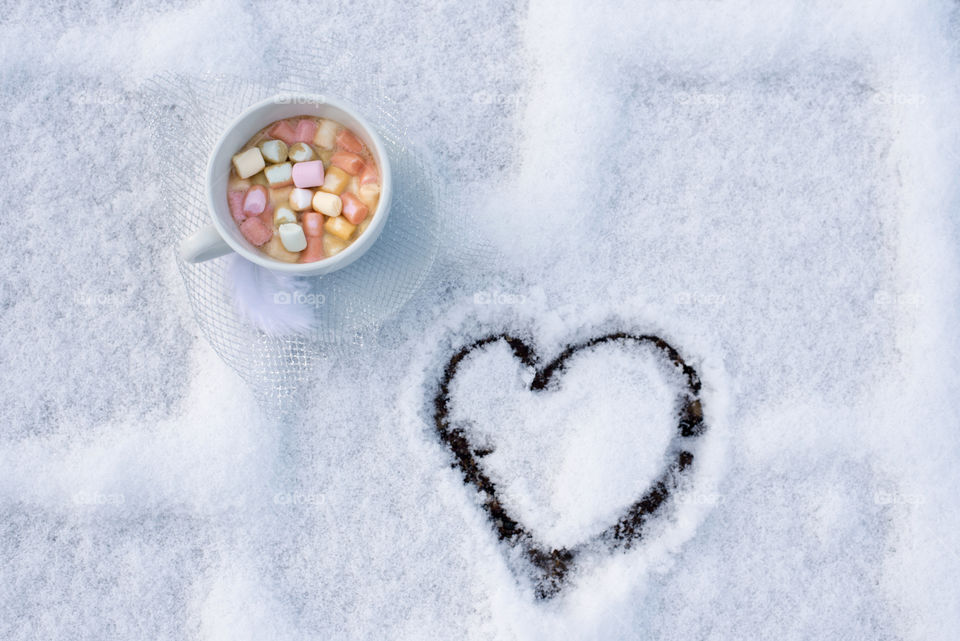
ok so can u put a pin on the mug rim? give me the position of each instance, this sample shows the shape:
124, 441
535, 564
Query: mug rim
325, 265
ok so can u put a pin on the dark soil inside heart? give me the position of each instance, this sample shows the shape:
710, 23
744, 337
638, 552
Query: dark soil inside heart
553, 566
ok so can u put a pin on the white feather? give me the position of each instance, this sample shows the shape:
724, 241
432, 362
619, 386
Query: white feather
273, 302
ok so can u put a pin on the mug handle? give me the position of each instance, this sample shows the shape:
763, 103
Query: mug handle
203, 244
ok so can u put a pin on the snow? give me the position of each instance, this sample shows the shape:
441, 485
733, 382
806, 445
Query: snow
770, 188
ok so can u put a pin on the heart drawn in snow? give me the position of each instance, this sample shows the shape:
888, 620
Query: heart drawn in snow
552, 565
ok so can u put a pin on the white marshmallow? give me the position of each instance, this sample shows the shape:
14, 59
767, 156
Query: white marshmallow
327, 204
301, 152
248, 162
279, 175
292, 237
300, 198
275, 151
326, 135
283, 215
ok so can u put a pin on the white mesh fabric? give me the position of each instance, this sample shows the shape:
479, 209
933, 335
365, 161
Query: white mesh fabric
357, 299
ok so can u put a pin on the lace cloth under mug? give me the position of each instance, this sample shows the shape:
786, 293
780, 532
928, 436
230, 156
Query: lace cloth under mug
347, 306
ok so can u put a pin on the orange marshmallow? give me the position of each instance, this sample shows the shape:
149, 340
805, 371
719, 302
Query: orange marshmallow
332, 245
313, 251
347, 141
306, 129
339, 227
283, 131
312, 224
349, 162
369, 195
335, 181
353, 209
370, 174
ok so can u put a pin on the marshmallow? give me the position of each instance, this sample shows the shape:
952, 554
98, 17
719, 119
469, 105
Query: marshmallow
362, 227
248, 162
267, 215
347, 141
301, 152
333, 245
308, 174
335, 181
325, 203
312, 224
275, 249
292, 237
369, 195
353, 210
314, 250
325, 156
326, 135
255, 200
280, 197
370, 174
340, 227
284, 215
284, 132
349, 162
300, 199
254, 230
279, 175
274, 151
306, 130
235, 202
237, 184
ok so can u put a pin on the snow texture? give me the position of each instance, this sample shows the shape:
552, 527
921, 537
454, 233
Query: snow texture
770, 186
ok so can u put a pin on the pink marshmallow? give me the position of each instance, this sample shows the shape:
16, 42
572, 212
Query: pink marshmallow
306, 130
255, 231
349, 162
283, 131
369, 175
314, 250
235, 202
312, 224
255, 200
353, 210
267, 215
308, 174
346, 140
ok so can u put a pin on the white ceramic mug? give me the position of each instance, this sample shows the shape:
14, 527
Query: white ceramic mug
224, 236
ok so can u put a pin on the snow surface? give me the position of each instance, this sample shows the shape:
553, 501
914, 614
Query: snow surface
772, 186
